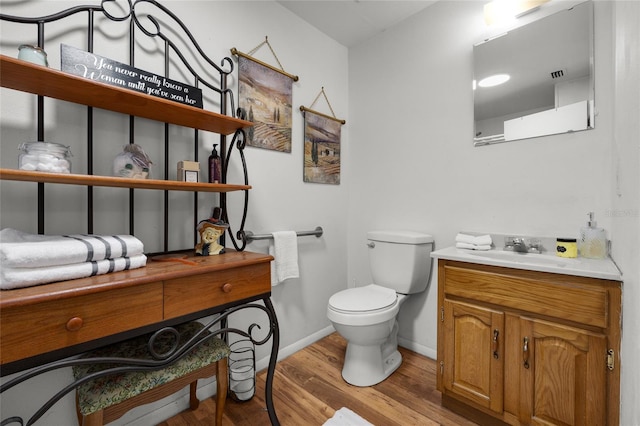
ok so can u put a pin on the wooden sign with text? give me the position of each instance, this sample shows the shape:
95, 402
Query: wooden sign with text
104, 70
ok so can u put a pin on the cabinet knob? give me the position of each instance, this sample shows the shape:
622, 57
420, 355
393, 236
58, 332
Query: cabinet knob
74, 324
227, 287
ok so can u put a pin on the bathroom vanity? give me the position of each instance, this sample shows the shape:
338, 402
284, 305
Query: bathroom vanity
529, 341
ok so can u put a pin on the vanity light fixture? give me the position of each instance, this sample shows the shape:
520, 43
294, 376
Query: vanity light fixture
494, 80
503, 11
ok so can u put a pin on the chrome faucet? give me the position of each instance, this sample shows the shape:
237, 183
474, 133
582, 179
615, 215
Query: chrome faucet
521, 245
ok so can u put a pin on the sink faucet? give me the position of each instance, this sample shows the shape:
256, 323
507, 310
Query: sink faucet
520, 245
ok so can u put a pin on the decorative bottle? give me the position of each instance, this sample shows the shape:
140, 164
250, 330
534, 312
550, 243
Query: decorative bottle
215, 169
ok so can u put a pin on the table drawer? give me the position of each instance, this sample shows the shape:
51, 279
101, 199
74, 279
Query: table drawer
34, 329
199, 292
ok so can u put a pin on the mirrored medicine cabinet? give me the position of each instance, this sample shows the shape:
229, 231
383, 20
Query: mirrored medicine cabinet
550, 89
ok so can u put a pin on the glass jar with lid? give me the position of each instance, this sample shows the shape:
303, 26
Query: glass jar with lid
44, 157
33, 54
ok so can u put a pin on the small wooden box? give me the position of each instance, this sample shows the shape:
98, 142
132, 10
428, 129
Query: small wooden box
188, 171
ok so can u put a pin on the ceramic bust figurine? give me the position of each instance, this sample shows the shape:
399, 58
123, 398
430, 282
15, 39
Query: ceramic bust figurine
210, 230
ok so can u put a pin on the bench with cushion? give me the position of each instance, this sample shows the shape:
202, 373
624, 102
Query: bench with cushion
107, 398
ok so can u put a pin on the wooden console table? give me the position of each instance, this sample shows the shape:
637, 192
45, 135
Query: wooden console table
41, 325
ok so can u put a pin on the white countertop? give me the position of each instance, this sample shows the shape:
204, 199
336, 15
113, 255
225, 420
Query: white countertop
543, 262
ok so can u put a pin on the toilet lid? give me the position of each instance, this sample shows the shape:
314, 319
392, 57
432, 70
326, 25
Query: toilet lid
363, 299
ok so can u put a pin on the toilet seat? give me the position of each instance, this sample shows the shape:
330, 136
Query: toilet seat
369, 298
366, 305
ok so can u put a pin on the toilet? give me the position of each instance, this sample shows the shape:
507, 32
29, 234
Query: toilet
366, 316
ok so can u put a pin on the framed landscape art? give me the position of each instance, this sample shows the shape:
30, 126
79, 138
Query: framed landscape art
265, 95
321, 148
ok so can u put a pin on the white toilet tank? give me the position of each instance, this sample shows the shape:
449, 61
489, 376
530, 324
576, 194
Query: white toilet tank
400, 260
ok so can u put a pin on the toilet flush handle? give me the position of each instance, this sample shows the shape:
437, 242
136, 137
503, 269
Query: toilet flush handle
371, 244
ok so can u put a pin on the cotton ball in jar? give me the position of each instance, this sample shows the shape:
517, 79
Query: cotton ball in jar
29, 162
45, 157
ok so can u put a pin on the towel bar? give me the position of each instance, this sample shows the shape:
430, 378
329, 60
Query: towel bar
250, 236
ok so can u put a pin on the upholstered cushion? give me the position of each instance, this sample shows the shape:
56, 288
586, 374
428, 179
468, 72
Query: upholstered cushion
105, 391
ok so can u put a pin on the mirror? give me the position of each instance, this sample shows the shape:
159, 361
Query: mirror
551, 84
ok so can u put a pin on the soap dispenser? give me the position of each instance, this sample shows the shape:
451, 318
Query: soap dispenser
215, 169
593, 240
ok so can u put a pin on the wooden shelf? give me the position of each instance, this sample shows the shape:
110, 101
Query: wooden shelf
27, 77
117, 182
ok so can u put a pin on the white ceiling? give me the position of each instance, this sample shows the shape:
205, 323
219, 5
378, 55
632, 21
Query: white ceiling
350, 22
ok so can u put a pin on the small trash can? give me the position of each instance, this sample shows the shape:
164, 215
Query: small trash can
242, 370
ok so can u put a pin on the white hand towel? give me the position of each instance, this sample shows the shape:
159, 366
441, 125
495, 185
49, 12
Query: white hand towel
478, 240
22, 250
464, 238
11, 278
468, 246
285, 252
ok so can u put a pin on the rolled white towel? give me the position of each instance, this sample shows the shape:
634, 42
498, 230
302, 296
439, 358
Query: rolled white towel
468, 246
478, 240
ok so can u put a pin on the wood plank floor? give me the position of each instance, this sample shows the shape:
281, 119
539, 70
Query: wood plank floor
308, 389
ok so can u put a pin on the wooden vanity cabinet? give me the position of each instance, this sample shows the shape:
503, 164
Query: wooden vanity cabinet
528, 348
566, 381
475, 371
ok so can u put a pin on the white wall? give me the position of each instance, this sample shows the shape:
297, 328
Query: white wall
407, 157
414, 167
279, 199
420, 170
625, 196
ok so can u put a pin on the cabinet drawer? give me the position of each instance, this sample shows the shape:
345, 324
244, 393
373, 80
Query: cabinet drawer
33, 329
199, 292
570, 298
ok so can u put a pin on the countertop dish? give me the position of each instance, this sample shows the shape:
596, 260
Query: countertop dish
543, 262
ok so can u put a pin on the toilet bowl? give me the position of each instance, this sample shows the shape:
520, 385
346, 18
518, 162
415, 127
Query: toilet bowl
366, 316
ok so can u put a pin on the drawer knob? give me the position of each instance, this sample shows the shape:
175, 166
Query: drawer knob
75, 324
227, 287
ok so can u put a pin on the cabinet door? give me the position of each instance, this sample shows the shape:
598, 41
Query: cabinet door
473, 354
563, 379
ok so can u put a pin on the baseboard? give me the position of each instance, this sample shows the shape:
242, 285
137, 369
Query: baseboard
283, 353
418, 348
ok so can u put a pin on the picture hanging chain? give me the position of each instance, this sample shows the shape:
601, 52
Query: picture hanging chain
322, 92
235, 51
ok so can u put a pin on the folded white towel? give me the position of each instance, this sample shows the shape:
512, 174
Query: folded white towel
22, 250
285, 252
479, 240
473, 246
11, 278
